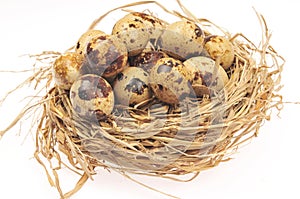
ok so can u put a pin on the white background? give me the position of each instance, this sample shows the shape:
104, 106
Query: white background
268, 167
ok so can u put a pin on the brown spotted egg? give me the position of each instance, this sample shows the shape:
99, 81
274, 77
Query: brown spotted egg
85, 39
147, 59
66, 69
182, 40
106, 55
136, 29
207, 75
155, 26
92, 97
220, 49
131, 86
170, 81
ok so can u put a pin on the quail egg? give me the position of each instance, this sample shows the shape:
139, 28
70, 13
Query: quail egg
84, 40
66, 69
131, 86
170, 81
92, 97
106, 55
182, 40
207, 75
135, 30
147, 59
155, 26
220, 49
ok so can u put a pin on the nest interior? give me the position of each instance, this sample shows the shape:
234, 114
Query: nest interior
157, 139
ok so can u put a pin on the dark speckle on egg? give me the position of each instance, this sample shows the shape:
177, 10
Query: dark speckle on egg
77, 109
132, 25
164, 69
160, 87
78, 46
136, 85
197, 75
120, 76
72, 94
179, 80
208, 79
198, 32
102, 37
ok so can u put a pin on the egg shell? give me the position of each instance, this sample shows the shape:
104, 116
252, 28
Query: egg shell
155, 26
85, 39
133, 34
170, 81
132, 31
66, 69
131, 86
207, 75
147, 59
136, 29
220, 49
92, 97
106, 56
182, 40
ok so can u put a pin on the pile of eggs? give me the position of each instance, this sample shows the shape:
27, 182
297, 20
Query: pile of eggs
143, 58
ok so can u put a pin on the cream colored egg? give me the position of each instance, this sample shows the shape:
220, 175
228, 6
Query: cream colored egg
134, 36
155, 26
106, 55
207, 75
92, 97
220, 49
131, 86
85, 39
170, 81
66, 69
135, 30
182, 40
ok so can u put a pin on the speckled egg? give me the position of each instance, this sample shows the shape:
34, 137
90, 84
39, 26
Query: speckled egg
170, 81
85, 39
66, 69
220, 49
207, 76
155, 26
106, 56
147, 59
131, 86
135, 30
92, 97
182, 40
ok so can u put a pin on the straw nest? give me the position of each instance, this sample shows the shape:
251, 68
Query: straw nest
156, 139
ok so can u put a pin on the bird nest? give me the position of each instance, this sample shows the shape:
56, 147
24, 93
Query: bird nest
154, 138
